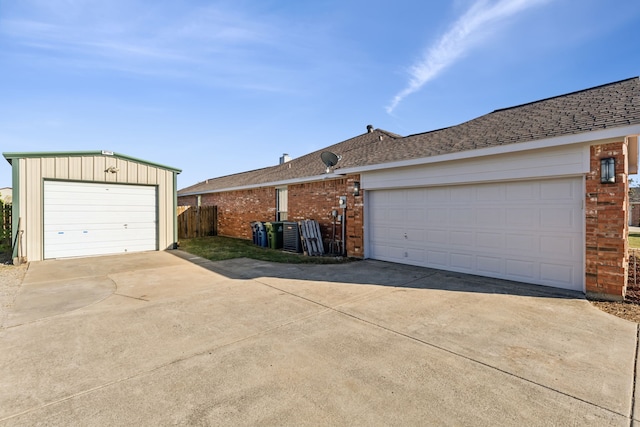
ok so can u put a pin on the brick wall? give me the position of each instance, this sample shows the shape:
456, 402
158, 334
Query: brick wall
316, 200
606, 220
313, 200
237, 209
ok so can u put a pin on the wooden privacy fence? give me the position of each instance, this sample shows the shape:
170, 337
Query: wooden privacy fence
194, 221
5, 229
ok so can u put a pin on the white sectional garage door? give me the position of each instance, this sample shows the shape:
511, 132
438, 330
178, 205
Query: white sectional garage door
82, 219
528, 231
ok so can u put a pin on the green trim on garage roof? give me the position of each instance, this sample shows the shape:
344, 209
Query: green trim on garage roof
11, 156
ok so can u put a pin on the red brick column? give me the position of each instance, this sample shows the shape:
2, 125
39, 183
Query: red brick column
355, 218
607, 226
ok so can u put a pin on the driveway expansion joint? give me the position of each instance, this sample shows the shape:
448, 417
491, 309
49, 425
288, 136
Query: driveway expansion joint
479, 362
454, 353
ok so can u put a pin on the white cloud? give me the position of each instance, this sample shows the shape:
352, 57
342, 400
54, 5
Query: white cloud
467, 31
208, 42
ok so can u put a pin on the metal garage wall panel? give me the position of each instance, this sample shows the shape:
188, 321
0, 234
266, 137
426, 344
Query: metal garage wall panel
75, 168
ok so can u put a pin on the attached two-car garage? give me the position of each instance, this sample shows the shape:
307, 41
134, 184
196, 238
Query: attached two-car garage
528, 231
70, 204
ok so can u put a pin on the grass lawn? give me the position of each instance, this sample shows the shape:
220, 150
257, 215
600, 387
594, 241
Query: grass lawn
634, 240
218, 248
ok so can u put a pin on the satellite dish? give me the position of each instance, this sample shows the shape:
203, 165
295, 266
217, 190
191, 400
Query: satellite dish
329, 159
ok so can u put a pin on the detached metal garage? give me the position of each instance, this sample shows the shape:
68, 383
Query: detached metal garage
71, 204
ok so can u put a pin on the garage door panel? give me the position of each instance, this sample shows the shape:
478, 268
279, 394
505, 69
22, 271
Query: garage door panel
461, 238
493, 265
415, 196
437, 237
520, 269
461, 194
557, 190
490, 240
437, 258
441, 215
415, 255
560, 247
490, 193
556, 274
437, 195
521, 191
556, 218
520, 217
82, 219
523, 243
527, 231
462, 261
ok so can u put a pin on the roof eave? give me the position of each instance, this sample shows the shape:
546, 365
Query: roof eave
605, 134
22, 155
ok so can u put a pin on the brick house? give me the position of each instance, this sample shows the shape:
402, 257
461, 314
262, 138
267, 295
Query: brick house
516, 194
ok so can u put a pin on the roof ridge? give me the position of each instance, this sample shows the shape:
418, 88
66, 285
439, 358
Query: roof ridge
433, 131
228, 176
566, 94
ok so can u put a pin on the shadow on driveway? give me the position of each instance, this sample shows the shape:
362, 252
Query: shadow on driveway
381, 273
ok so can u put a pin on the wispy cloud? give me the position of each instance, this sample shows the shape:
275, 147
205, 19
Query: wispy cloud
206, 42
467, 31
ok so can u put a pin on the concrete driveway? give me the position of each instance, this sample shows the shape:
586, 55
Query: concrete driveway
164, 338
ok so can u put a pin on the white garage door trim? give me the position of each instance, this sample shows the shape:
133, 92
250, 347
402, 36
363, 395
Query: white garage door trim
527, 231
84, 219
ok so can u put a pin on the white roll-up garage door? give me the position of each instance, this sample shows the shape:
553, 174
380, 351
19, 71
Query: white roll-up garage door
528, 231
82, 219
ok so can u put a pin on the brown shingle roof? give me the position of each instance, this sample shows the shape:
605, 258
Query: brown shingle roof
602, 107
301, 167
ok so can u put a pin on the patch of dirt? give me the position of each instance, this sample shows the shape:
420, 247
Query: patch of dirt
623, 309
628, 309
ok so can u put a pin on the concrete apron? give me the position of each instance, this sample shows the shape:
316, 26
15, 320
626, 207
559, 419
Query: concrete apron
151, 338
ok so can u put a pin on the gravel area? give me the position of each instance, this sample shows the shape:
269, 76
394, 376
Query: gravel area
10, 280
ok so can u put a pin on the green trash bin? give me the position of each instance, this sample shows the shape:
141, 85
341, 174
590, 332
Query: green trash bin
274, 234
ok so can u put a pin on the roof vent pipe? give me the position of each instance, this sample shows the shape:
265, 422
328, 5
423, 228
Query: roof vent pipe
369, 128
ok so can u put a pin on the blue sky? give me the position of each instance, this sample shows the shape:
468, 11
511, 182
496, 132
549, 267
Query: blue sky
219, 87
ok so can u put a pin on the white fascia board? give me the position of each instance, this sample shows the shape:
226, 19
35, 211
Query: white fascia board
269, 184
595, 136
